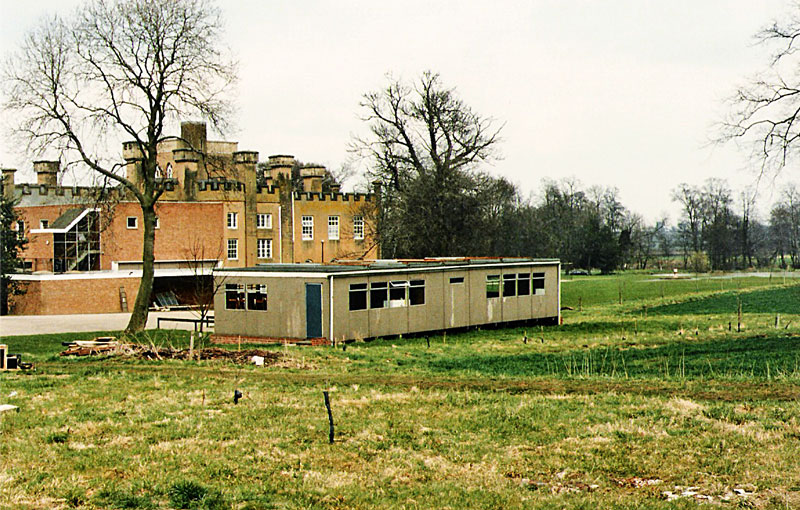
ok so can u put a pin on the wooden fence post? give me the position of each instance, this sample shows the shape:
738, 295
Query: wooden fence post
738, 315
330, 416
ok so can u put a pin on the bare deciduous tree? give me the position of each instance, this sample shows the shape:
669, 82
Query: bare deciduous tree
201, 260
424, 148
119, 68
766, 112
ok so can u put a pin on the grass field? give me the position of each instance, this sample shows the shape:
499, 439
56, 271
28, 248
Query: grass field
653, 403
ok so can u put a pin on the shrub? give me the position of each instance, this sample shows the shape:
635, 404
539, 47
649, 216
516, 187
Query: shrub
192, 495
698, 262
120, 498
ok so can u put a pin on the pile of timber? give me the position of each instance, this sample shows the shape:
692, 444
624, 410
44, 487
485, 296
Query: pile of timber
98, 345
110, 345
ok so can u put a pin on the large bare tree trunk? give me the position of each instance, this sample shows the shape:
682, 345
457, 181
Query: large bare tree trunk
141, 307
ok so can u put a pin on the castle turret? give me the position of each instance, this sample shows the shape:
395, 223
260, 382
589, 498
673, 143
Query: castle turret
281, 165
312, 178
245, 163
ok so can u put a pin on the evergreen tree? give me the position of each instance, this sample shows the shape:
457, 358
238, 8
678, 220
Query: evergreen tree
11, 244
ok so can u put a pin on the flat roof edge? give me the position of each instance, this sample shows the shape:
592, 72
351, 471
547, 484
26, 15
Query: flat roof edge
324, 270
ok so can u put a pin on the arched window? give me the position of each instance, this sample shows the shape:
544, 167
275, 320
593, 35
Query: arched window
169, 170
159, 174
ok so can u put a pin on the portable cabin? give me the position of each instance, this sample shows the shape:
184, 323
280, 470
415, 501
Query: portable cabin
345, 301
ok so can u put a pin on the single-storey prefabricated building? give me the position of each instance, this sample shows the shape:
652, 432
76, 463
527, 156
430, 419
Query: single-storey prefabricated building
383, 298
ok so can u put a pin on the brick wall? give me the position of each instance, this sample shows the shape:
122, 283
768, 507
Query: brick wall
70, 295
184, 228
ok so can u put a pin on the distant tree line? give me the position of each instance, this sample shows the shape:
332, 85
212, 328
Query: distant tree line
427, 150
721, 230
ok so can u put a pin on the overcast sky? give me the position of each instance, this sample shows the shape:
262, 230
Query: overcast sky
614, 93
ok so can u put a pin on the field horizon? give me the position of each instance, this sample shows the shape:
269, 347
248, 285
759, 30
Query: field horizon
651, 395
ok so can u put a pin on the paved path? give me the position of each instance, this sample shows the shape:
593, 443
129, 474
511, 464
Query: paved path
40, 324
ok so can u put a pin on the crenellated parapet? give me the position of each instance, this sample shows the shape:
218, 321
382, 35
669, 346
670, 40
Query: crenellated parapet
333, 197
219, 185
46, 194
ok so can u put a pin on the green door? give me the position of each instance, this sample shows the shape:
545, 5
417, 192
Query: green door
313, 310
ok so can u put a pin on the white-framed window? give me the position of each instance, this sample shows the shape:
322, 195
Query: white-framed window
358, 296
537, 284
233, 220
263, 220
44, 223
158, 223
257, 297
233, 249
264, 248
169, 170
234, 296
416, 292
132, 222
509, 285
20, 229
307, 231
333, 228
358, 227
492, 286
397, 294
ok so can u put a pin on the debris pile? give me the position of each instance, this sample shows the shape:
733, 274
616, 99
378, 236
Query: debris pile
98, 345
636, 482
110, 346
693, 493
243, 357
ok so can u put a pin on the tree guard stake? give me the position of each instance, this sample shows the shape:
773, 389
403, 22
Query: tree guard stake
330, 416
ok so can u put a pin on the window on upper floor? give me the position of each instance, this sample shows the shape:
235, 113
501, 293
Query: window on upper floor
358, 227
333, 228
233, 220
263, 220
44, 223
132, 222
233, 249
307, 228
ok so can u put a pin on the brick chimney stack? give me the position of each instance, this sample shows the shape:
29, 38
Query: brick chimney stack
195, 135
8, 183
46, 172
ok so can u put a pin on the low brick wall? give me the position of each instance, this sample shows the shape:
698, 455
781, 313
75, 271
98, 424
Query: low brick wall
71, 294
234, 339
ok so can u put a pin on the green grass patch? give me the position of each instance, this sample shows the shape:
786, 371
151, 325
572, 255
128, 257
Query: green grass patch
630, 288
785, 300
574, 417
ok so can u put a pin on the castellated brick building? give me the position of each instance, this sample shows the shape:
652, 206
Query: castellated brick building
220, 208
